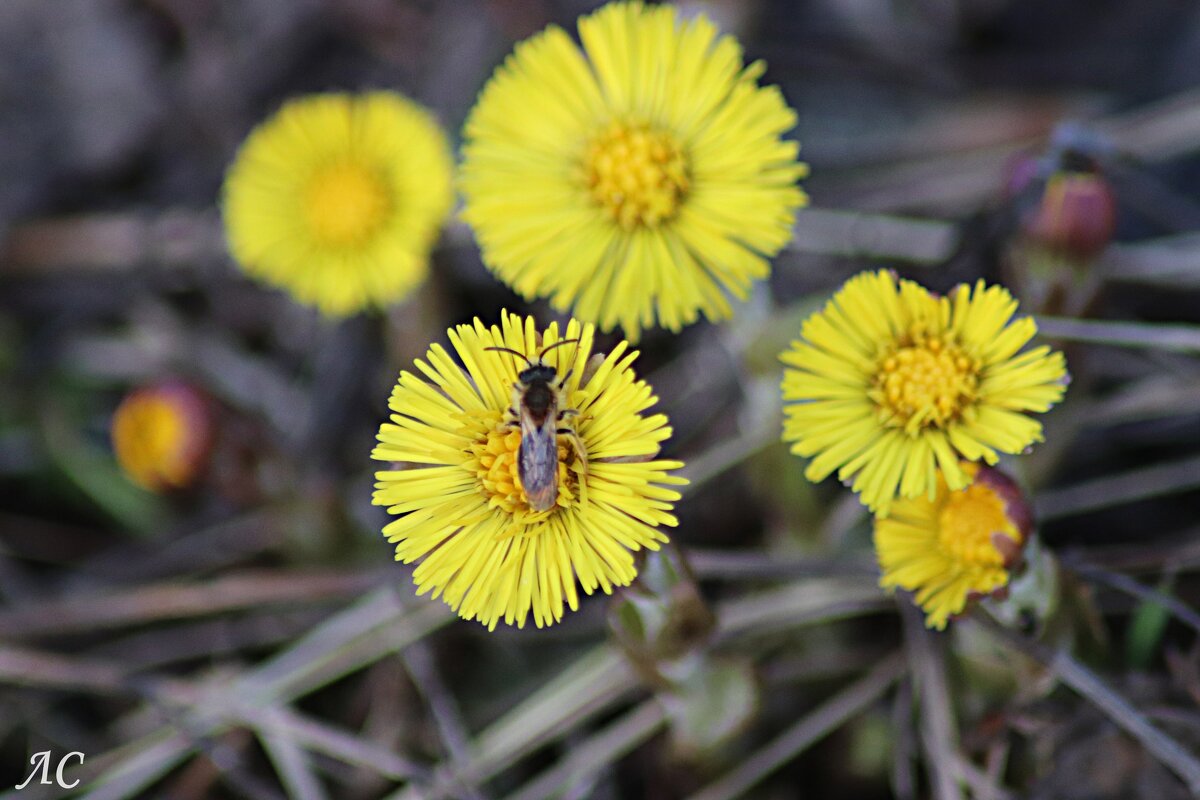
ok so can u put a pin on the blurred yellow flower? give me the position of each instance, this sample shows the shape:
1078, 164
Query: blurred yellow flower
890, 383
486, 550
162, 435
638, 181
339, 198
955, 547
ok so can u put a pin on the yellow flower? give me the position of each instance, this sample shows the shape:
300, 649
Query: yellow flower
638, 181
890, 383
957, 546
161, 435
458, 489
339, 198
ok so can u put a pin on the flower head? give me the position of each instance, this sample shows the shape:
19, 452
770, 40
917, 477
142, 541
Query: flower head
638, 180
954, 547
487, 550
890, 384
339, 198
162, 435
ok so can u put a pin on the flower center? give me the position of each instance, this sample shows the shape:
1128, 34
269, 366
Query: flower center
345, 203
967, 523
150, 434
495, 464
636, 173
926, 382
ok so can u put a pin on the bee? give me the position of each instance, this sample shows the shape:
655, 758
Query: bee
538, 409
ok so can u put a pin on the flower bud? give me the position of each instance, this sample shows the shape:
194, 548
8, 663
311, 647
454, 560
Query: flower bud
1075, 217
956, 547
162, 435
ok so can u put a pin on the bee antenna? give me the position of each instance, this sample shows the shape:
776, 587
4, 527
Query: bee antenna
521, 356
559, 343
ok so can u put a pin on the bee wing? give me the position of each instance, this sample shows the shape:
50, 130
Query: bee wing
537, 461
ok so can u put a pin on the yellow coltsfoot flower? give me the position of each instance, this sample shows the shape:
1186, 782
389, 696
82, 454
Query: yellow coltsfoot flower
956, 546
456, 440
890, 384
338, 199
162, 435
639, 180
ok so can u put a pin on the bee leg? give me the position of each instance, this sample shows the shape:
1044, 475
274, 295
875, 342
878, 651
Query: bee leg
578, 445
568, 412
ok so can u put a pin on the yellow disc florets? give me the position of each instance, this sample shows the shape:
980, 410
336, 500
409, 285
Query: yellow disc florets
637, 174
495, 464
345, 204
968, 523
927, 380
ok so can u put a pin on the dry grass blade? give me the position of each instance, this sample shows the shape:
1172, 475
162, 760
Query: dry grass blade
418, 660
802, 603
588, 686
146, 763
938, 736
755, 565
27, 667
347, 642
115, 609
1170, 262
321, 738
1114, 490
1184, 613
854, 234
811, 728
1175, 338
293, 767
1085, 683
588, 757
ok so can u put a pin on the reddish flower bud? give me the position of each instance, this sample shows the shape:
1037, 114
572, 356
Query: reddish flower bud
162, 435
1075, 217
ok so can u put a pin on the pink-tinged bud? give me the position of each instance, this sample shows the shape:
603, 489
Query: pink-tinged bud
1076, 216
162, 435
1016, 510
956, 547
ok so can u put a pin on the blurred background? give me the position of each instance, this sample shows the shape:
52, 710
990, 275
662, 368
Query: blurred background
250, 635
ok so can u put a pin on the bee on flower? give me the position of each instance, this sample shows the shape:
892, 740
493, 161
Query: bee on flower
338, 199
510, 517
890, 386
639, 178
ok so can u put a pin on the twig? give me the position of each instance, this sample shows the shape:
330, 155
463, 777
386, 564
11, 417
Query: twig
938, 734
1179, 552
590, 685
293, 767
1086, 684
418, 660
981, 784
904, 780
1184, 613
811, 728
